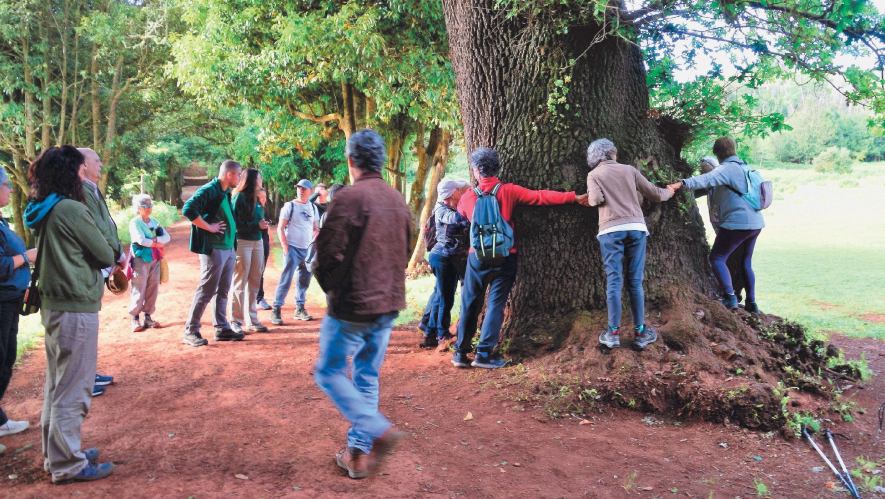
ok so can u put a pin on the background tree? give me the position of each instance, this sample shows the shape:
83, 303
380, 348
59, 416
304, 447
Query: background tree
539, 80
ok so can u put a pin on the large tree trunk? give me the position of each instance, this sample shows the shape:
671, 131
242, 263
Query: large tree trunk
425, 154
438, 171
503, 88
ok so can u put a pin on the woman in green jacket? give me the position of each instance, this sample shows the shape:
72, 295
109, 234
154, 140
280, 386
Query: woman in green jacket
71, 253
249, 217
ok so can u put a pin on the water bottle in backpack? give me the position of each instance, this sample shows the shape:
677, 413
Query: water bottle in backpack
491, 237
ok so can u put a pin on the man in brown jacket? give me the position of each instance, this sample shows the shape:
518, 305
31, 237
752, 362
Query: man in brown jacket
362, 254
617, 190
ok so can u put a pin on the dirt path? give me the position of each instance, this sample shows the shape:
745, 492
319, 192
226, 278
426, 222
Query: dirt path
181, 422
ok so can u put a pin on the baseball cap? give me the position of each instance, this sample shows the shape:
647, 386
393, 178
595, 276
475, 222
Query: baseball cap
304, 183
447, 188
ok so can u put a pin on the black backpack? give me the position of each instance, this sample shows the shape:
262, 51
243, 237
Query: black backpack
429, 232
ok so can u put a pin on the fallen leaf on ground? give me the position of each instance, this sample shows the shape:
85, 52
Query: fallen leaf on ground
516, 464
831, 485
468, 417
586, 421
646, 488
241, 477
502, 470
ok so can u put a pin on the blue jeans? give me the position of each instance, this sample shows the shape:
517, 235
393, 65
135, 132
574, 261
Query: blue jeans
499, 279
727, 241
440, 317
624, 251
295, 264
357, 399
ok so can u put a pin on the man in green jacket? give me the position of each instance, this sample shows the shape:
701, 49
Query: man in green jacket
213, 238
93, 200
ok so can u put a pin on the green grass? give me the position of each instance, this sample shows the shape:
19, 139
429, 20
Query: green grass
30, 332
166, 214
819, 259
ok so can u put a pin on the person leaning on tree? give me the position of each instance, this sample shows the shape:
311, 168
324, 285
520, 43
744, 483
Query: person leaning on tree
617, 190
213, 238
739, 223
94, 200
485, 165
362, 255
71, 254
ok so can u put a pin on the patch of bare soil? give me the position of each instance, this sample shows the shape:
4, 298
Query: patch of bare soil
879, 318
182, 422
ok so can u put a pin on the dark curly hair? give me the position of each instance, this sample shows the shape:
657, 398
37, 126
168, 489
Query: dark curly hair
57, 170
246, 188
486, 161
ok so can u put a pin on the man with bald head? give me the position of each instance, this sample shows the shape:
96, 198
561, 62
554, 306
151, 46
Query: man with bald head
94, 200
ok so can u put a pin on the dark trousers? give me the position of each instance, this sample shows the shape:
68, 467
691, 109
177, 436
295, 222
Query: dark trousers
499, 281
727, 241
266, 239
439, 309
8, 346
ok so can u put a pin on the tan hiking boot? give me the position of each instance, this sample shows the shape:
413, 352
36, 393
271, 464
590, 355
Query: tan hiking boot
355, 461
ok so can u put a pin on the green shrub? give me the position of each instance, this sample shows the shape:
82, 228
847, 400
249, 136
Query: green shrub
166, 214
834, 160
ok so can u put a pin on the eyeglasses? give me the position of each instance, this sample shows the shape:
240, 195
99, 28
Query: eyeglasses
147, 205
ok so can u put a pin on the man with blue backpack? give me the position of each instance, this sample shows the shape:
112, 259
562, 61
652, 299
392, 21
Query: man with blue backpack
740, 217
492, 261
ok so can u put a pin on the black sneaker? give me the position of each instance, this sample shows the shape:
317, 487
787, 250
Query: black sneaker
195, 340
730, 301
302, 315
227, 334
648, 336
609, 339
460, 360
430, 341
275, 317
751, 307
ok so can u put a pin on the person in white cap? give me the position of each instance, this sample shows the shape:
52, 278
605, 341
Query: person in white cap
447, 259
298, 226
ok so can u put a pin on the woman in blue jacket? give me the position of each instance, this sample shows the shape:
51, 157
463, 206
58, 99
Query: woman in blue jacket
739, 223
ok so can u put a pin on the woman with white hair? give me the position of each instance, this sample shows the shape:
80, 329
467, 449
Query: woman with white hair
148, 240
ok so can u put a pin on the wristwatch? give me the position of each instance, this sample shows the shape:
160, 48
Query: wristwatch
27, 260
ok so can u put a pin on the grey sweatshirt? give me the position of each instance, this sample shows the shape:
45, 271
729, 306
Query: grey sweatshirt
734, 212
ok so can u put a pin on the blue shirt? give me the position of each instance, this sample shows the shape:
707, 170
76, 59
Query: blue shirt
13, 282
735, 213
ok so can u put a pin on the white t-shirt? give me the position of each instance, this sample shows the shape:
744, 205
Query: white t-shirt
641, 227
301, 217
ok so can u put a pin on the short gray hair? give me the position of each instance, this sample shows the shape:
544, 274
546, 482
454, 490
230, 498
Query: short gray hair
711, 160
486, 161
138, 199
366, 149
600, 150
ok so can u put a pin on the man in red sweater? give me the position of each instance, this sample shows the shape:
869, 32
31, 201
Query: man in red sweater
485, 165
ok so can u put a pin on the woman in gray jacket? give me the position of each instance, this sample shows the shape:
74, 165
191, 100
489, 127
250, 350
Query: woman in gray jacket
739, 223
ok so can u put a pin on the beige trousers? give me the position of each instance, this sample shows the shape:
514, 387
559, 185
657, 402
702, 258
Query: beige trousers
71, 352
247, 277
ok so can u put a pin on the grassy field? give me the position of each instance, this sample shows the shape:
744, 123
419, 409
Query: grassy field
821, 258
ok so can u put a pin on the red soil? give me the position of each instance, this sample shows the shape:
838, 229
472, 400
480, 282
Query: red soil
183, 421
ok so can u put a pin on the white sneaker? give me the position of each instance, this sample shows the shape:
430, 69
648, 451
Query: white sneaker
2, 448
12, 427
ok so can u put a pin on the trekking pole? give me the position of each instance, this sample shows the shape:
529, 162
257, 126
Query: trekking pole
830, 464
842, 463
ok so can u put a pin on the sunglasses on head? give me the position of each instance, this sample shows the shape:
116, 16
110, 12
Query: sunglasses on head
147, 205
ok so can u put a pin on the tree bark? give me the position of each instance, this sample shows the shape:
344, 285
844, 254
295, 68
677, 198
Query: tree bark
18, 202
96, 103
348, 121
425, 155
506, 69
438, 171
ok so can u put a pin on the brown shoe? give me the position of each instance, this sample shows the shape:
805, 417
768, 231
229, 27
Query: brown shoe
355, 461
384, 445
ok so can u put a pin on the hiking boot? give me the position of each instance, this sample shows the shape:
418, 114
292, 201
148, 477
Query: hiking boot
90, 473
136, 324
148, 322
648, 336
12, 427
275, 317
751, 307
257, 327
355, 461
263, 305
460, 360
383, 446
97, 391
730, 301
429, 341
227, 334
195, 340
486, 361
301, 314
610, 339
103, 380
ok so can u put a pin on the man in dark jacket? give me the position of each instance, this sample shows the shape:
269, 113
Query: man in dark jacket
213, 238
362, 254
